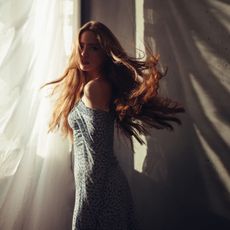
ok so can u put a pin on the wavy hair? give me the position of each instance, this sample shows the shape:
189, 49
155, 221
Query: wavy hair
134, 82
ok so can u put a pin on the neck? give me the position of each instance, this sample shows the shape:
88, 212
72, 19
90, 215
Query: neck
92, 76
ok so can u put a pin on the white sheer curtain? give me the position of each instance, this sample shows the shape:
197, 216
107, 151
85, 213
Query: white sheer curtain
36, 190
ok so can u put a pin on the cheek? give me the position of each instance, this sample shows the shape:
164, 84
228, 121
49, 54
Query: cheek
100, 59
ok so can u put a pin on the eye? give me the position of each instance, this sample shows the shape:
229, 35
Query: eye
95, 48
81, 46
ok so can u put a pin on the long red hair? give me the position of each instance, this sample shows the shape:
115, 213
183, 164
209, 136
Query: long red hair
134, 82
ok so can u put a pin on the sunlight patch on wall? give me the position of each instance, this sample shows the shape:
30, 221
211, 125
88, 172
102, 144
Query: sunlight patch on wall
219, 66
139, 12
210, 111
139, 150
224, 8
215, 161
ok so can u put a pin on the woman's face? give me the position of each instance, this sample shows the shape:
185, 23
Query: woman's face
92, 56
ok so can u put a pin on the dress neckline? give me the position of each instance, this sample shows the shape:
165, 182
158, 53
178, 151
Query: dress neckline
92, 109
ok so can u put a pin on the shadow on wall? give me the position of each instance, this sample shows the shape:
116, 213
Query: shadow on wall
180, 188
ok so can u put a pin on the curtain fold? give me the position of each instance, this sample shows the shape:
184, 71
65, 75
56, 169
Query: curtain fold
36, 184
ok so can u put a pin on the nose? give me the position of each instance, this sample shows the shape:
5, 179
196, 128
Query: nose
84, 51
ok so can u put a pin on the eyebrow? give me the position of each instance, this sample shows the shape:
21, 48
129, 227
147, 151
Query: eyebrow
90, 43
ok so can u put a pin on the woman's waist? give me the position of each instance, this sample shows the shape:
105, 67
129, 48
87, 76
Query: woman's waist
82, 152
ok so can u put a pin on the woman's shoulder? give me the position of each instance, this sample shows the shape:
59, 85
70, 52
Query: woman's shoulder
98, 87
97, 94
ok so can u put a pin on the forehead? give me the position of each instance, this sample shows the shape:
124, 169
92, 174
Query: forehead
88, 37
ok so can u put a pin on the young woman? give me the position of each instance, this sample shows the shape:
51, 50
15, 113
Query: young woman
102, 84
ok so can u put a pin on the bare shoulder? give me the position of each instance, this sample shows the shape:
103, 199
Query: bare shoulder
98, 87
97, 94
